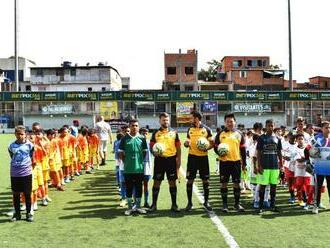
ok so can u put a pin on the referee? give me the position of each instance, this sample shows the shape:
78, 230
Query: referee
233, 162
198, 160
168, 162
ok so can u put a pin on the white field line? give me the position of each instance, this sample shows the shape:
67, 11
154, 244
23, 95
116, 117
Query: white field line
215, 219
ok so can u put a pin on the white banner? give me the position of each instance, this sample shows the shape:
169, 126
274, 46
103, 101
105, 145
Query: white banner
57, 109
252, 107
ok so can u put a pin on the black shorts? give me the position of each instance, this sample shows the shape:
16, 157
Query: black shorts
230, 168
21, 184
198, 163
165, 165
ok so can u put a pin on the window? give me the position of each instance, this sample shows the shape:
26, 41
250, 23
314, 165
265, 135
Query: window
103, 88
243, 74
189, 70
171, 70
73, 72
90, 89
28, 88
237, 63
259, 63
264, 63
40, 73
253, 63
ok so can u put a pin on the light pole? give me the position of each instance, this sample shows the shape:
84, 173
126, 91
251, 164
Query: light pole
16, 45
290, 58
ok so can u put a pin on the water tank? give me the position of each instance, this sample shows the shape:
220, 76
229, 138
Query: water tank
66, 64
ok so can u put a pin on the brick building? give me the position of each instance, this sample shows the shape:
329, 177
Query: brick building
320, 82
181, 71
251, 73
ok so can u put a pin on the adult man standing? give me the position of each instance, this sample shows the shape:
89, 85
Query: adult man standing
103, 129
168, 161
198, 159
232, 162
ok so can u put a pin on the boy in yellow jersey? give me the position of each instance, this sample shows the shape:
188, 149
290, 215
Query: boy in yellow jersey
45, 146
198, 159
168, 162
63, 142
39, 158
231, 163
93, 147
82, 149
54, 160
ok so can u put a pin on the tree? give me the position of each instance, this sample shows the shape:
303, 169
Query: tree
210, 75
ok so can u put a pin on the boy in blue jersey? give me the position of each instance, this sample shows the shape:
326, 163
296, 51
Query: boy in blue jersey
21, 153
269, 157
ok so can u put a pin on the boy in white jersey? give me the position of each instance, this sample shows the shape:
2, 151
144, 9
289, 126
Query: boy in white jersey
302, 178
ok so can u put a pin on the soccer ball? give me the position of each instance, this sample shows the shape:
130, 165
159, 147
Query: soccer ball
314, 152
158, 148
202, 144
223, 149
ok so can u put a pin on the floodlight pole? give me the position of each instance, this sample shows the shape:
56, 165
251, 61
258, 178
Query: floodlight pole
290, 58
16, 46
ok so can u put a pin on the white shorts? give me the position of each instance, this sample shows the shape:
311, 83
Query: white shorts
103, 145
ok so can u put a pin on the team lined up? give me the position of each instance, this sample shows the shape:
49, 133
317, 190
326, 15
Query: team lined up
49, 158
253, 159
256, 159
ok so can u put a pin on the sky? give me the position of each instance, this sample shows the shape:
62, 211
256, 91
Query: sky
132, 35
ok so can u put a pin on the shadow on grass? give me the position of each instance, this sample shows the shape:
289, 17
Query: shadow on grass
282, 196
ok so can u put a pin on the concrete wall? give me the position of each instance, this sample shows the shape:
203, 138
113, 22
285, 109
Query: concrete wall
58, 121
251, 118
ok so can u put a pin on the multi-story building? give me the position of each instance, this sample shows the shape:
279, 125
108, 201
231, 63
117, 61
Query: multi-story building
181, 71
69, 78
7, 65
251, 73
320, 82
126, 81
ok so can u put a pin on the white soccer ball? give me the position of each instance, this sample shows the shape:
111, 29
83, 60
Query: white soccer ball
223, 149
202, 144
314, 152
158, 148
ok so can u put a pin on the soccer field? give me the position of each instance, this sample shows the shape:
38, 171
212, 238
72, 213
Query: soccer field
87, 215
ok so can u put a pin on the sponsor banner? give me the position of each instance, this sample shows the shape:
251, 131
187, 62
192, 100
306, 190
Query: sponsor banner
137, 96
300, 96
109, 110
192, 96
252, 107
80, 96
209, 107
247, 96
57, 109
163, 96
183, 110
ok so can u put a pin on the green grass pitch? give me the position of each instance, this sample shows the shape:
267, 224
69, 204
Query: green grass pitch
87, 215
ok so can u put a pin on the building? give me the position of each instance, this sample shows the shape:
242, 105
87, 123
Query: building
74, 78
98, 78
251, 73
126, 81
320, 82
9, 113
181, 71
7, 65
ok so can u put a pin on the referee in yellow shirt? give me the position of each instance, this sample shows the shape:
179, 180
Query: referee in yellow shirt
198, 160
233, 162
168, 162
